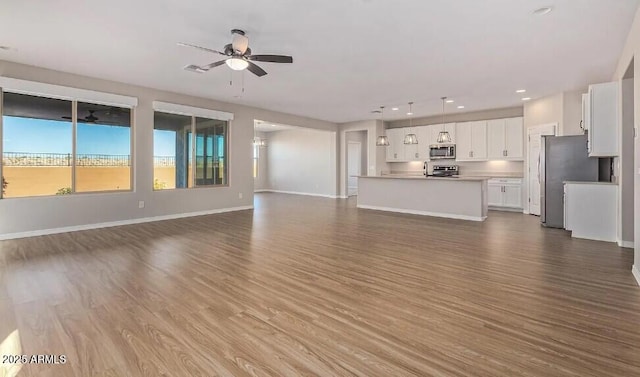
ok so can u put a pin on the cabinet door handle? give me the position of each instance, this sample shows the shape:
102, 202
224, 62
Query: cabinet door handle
417, 155
395, 155
469, 153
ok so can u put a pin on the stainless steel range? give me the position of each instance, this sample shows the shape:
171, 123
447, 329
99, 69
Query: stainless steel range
445, 171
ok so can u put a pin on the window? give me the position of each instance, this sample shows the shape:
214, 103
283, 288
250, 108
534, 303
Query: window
44, 153
211, 152
171, 145
103, 144
174, 162
37, 136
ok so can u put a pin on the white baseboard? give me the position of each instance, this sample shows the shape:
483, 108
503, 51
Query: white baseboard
628, 244
636, 273
505, 209
262, 190
423, 213
303, 193
34, 233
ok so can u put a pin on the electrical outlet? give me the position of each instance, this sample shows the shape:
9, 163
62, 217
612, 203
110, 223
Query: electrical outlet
141, 204
239, 195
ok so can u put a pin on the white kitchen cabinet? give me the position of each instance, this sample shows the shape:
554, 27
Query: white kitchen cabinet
603, 120
471, 141
424, 140
395, 150
590, 210
505, 193
410, 150
586, 112
494, 195
505, 140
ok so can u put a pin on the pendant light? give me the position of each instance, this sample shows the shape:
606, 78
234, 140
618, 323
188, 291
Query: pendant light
410, 138
443, 136
383, 140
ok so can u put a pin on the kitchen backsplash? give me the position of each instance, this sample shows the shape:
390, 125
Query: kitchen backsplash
479, 168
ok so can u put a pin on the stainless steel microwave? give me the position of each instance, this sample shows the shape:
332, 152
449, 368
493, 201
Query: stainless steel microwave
442, 151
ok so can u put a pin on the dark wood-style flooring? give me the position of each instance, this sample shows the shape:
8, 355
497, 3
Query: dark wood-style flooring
307, 286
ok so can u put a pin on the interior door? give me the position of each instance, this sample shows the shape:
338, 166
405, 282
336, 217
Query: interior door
354, 151
535, 165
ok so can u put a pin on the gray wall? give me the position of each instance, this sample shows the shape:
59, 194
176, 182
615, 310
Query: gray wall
302, 161
626, 163
32, 214
360, 137
631, 49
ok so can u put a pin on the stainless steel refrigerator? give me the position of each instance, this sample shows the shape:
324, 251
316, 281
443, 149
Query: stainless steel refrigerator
562, 158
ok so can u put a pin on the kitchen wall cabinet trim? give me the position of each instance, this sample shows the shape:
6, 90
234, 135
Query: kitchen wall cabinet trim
603, 120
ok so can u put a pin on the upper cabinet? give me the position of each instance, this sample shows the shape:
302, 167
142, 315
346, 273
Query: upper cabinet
505, 139
471, 141
498, 139
601, 119
411, 150
395, 150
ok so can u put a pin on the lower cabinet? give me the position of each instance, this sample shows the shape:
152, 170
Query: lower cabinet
505, 193
590, 210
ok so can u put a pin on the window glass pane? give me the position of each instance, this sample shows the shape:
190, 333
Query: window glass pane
37, 145
171, 157
103, 148
211, 152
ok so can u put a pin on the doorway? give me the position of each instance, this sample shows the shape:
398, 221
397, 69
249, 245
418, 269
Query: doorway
354, 166
534, 140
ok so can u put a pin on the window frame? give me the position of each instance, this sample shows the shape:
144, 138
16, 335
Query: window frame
193, 113
74, 95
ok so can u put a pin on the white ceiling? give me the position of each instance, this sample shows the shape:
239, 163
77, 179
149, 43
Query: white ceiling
350, 56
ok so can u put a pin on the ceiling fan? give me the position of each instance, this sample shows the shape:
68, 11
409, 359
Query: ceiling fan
91, 118
238, 56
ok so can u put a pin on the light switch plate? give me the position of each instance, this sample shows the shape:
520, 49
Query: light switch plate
141, 204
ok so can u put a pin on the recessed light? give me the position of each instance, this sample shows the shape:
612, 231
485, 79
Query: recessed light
273, 125
542, 11
521, 91
460, 107
409, 113
449, 101
395, 108
526, 98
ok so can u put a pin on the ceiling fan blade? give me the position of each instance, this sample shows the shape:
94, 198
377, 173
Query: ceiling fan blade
256, 70
213, 65
271, 58
240, 43
199, 48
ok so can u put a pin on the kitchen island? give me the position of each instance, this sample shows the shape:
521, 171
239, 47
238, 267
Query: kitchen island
457, 197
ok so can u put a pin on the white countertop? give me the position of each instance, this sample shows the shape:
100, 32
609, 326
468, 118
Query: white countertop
422, 177
589, 183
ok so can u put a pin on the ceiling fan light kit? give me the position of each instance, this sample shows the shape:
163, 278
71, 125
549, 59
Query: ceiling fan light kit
238, 56
237, 64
